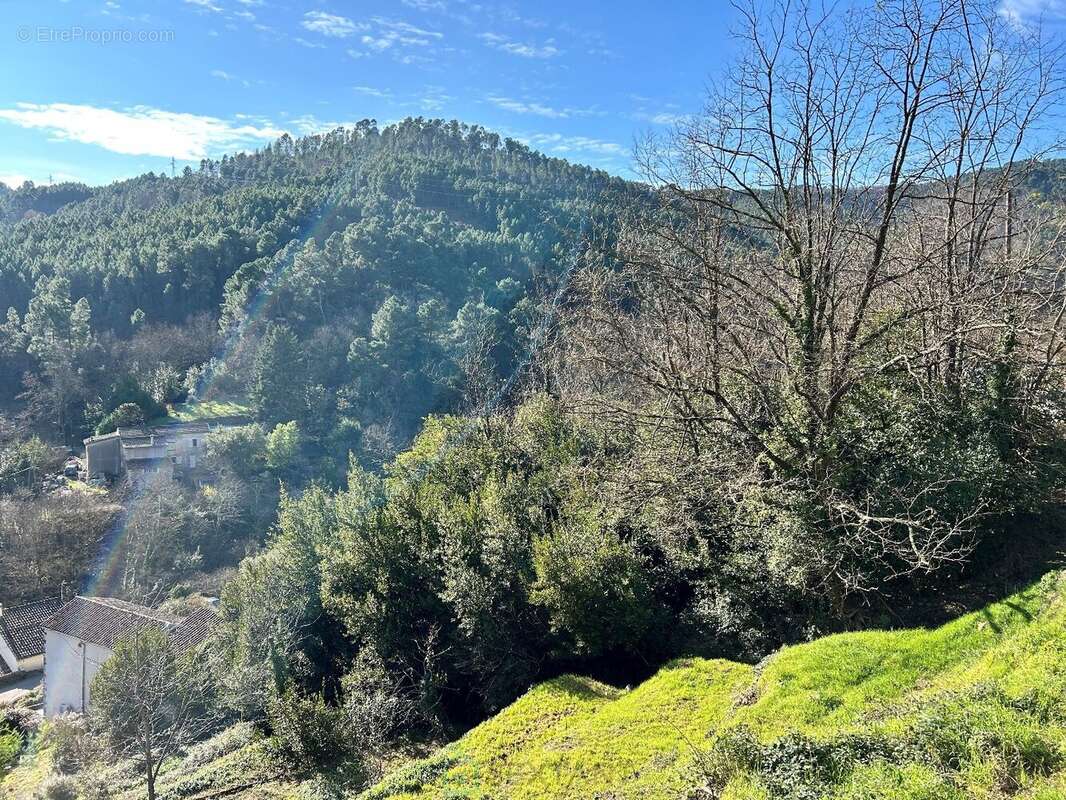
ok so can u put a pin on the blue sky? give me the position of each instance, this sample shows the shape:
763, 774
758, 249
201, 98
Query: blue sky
96, 90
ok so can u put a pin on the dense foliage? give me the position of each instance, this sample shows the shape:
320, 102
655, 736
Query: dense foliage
360, 279
508, 418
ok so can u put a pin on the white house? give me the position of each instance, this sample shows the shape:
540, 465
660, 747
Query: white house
81, 636
21, 636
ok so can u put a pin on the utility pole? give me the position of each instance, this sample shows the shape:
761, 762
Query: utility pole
172, 166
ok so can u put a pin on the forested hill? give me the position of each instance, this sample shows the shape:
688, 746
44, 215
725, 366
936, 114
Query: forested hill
382, 268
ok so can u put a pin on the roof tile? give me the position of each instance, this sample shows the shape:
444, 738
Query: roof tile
105, 620
21, 626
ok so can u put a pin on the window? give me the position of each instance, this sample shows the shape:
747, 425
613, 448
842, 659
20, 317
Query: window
194, 443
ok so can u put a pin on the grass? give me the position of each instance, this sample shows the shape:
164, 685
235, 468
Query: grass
973, 709
84, 488
23, 781
207, 410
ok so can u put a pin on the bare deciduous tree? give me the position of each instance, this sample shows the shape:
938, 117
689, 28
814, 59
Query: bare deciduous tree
844, 211
48, 542
151, 702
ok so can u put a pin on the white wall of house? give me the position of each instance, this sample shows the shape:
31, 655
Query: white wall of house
7, 655
69, 664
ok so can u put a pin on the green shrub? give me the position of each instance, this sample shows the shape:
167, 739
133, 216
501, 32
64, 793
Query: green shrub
126, 415
59, 787
20, 719
984, 726
73, 744
10, 746
309, 731
224, 743
376, 704
594, 586
795, 766
413, 777
97, 787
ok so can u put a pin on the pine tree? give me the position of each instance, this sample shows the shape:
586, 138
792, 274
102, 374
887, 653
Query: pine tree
277, 389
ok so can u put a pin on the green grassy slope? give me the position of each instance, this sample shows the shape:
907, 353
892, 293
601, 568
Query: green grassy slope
973, 709
976, 708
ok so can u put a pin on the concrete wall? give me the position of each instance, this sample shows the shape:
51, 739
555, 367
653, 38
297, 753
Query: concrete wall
184, 449
64, 662
104, 456
32, 664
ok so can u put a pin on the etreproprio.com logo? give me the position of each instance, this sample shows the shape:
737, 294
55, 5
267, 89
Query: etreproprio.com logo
78, 34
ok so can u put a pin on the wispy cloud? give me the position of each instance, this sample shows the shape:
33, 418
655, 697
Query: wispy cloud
140, 130
308, 124
393, 35
205, 5
520, 107
1026, 11
332, 25
434, 99
222, 75
426, 5
515, 48
539, 109
662, 117
562, 144
371, 91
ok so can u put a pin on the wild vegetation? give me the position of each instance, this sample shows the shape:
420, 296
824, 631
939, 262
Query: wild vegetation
732, 436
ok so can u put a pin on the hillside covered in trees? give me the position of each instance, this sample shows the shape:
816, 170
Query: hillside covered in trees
374, 274
765, 437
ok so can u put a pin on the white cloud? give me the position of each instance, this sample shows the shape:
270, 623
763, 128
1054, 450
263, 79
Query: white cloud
305, 43
1023, 11
308, 124
221, 74
434, 99
539, 109
662, 118
558, 143
14, 181
370, 91
499, 42
140, 130
520, 107
331, 24
205, 5
393, 35
426, 5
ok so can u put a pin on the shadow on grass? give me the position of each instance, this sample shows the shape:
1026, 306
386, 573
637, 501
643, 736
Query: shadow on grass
581, 688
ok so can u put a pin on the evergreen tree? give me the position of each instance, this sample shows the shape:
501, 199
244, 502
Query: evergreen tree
277, 388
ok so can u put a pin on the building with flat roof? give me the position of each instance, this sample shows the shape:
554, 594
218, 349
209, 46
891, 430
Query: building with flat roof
176, 450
